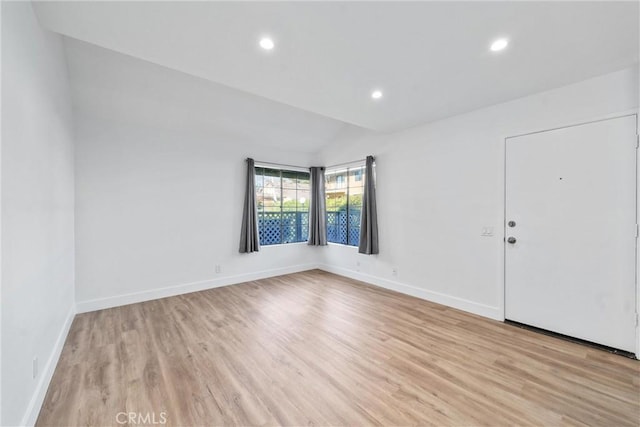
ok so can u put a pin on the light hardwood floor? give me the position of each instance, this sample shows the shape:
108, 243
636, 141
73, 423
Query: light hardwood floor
313, 348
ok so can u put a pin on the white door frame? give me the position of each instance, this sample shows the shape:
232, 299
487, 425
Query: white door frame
504, 210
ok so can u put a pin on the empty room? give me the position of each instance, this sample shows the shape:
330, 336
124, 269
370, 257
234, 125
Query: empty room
332, 213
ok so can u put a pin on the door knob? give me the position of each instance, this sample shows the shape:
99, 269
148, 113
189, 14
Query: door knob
511, 240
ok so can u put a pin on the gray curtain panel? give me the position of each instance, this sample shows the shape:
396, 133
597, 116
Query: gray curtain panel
249, 238
369, 217
318, 212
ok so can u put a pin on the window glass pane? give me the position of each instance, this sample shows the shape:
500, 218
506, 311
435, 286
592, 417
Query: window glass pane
304, 226
354, 190
289, 174
336, 180
344, 191
269, 228
354, 236
303, 200
288, 227
331, 230
271, 197
338, 200
283, 206
259, 177
355, 177
272, 178
304, 182
289, 179
268, 207
289, 197
355, 200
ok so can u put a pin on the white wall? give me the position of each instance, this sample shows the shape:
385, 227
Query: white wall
157, 209
160, 177
441, 183
37, 209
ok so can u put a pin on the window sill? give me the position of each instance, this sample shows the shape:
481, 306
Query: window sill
341, 245
283, 244
305, 243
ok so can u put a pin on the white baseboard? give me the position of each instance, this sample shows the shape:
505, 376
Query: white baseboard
185, 288
437, 297
33, 410
136, 297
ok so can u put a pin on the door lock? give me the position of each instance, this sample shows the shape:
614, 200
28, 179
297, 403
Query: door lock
511, 240
511, 224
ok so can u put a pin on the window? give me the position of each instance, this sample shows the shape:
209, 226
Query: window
282, 199
344, 189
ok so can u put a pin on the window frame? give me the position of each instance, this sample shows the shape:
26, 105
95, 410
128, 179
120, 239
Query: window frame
301, 226
358, 177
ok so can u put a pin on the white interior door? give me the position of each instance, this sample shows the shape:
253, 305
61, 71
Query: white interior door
571, 193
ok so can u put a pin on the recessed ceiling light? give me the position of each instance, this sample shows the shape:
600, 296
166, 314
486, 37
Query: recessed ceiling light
266, 43
499, 44
376, 94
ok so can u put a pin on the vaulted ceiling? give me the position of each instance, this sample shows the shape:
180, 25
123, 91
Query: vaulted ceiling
430, 59
125, 89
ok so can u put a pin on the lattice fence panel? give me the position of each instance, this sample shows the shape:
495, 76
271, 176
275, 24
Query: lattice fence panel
354, 227
342, 228
269, 228
304, 226
337, 227
285, 227
288, 227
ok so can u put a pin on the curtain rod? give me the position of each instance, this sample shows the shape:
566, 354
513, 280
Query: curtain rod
281, 165
302, 167
349, 163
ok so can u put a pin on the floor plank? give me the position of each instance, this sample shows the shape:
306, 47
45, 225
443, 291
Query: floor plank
314, 348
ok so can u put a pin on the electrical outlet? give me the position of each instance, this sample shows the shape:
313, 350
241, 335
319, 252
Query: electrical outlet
35, 368
218, 269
